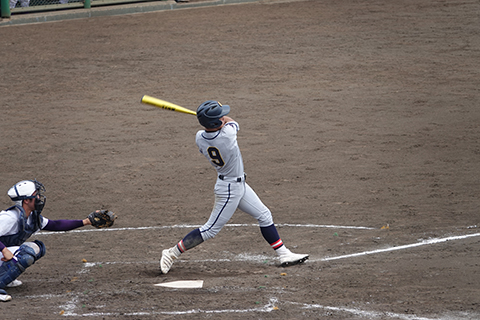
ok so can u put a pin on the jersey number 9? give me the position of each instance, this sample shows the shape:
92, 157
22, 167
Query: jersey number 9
215, 156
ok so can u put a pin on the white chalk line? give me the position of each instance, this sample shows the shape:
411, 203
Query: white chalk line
183, 226
271, 306
70, 306
408, 246
368, 314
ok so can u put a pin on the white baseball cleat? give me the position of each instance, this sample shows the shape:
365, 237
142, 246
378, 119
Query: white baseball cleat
4, 296
291, 259
14, 283
167, 260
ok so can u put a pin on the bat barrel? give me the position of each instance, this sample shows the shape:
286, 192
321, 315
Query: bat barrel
165, 105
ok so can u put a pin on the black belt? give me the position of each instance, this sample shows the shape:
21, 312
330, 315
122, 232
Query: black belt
239, 179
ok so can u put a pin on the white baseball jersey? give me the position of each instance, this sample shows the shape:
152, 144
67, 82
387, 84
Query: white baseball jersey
9, 222
221, 149
232, 192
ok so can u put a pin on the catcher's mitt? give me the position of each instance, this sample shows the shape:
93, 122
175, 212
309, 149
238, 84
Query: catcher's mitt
102, 218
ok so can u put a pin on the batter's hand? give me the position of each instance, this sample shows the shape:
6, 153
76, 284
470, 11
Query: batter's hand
7, 255
227, 119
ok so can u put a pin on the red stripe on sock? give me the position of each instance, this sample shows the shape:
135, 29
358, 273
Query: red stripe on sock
277, 244
181, 246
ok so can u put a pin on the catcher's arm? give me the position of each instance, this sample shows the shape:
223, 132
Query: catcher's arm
86, 222
65, 225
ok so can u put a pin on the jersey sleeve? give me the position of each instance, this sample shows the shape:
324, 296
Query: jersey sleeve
234, 125
44, 222
7, 224
63, 225
197, 140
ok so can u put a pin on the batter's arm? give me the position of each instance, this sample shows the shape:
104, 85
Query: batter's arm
227, 119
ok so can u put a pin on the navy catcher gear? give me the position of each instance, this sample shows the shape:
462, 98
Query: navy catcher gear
25, 230
210, 112
25, 256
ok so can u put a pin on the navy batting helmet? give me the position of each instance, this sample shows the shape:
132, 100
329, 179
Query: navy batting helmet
210, 112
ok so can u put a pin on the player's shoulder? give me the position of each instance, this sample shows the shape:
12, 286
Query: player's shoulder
11, 214
232, 125
12, 211
200, 135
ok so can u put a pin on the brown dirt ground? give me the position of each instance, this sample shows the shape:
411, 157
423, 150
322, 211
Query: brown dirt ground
353, 113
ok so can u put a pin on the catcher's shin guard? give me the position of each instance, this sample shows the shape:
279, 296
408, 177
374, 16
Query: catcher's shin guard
25, 256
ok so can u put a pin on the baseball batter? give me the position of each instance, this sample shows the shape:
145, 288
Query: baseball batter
218, 143
22, 220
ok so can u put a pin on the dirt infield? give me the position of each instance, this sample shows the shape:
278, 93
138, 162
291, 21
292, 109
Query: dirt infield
359, 130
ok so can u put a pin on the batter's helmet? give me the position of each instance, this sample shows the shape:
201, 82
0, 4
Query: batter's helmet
210, 112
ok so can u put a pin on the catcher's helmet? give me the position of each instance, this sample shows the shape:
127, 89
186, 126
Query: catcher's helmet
25, 190
210, 112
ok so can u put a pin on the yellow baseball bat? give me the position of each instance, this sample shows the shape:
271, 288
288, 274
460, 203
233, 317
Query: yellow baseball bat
165, 105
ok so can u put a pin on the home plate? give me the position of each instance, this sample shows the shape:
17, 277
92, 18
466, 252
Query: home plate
189, 284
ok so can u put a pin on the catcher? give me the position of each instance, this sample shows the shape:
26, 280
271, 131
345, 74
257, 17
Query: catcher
20, 221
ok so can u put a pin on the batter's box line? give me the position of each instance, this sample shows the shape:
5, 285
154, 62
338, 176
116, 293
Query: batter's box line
70, 311
183, 226
407, 246
366, 314
262, 258
271, 306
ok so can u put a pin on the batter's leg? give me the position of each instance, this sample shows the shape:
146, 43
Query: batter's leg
227, 197
252, 205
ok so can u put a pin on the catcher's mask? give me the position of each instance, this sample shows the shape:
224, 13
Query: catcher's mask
29, 189
210, 112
